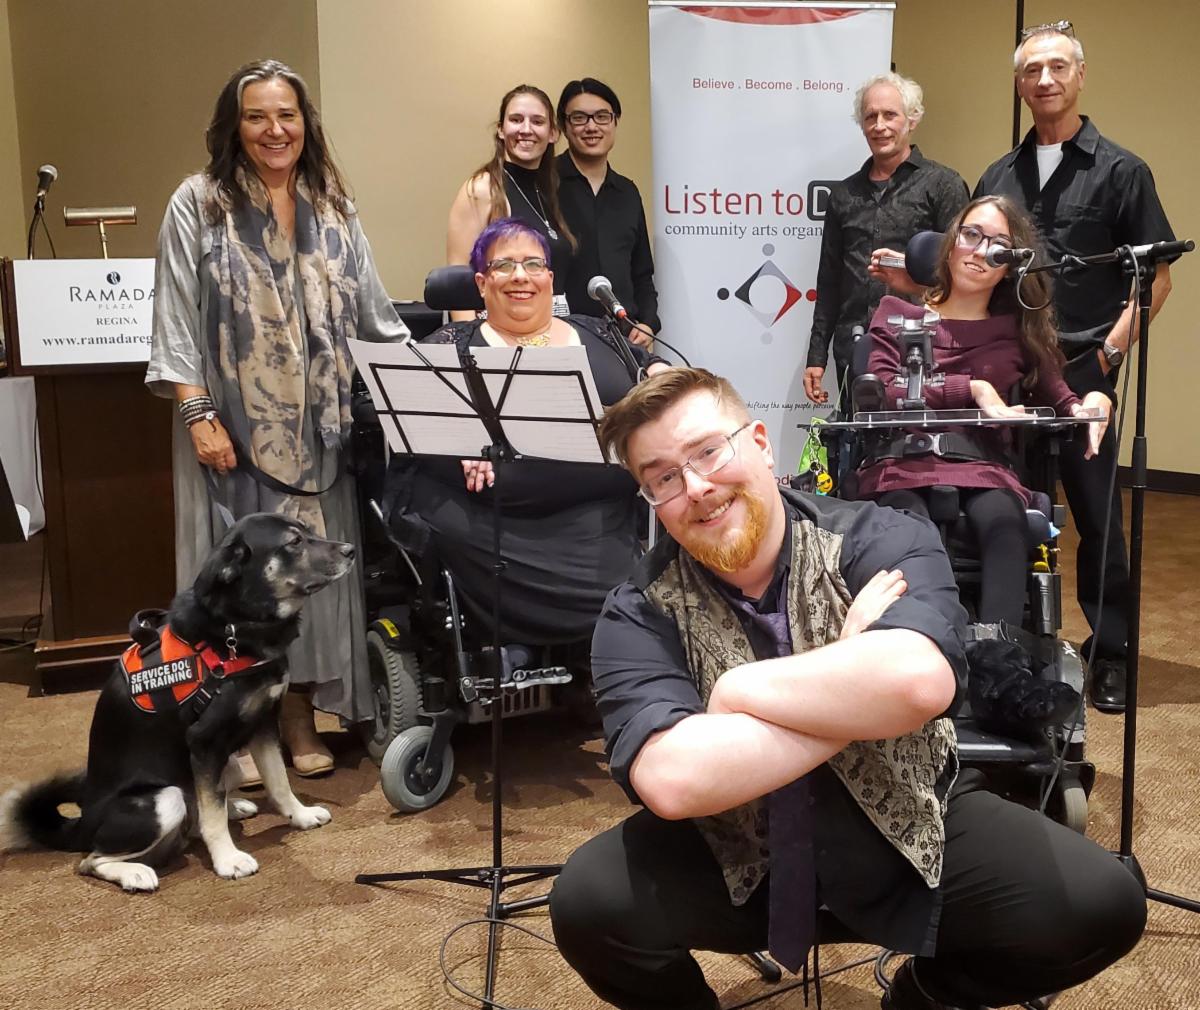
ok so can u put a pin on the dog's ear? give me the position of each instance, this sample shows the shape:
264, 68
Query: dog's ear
225, 564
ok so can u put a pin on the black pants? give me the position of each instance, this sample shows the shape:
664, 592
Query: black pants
997, 519
1029, 908
1085, 482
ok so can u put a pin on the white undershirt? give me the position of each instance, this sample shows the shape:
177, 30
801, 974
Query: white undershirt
1049, 157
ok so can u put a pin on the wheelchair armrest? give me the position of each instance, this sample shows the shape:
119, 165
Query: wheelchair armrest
1037, 527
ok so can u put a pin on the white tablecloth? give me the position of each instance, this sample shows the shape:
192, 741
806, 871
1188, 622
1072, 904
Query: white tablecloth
18, 450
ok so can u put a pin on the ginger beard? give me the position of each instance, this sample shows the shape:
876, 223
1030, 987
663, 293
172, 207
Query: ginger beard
731, 549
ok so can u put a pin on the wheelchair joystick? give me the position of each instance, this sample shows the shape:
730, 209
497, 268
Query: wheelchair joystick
916, 348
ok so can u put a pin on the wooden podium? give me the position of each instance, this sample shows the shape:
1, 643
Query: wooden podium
106, 463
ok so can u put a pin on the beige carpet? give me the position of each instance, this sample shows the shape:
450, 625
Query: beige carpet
302, 934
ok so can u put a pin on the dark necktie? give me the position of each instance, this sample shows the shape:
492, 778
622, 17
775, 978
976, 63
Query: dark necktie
792, 926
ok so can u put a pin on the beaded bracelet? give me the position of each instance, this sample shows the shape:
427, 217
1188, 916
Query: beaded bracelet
194, 409
209, 416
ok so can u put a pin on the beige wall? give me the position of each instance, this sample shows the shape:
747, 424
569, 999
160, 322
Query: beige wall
12, 220
1139, 68
410, 92
117, 95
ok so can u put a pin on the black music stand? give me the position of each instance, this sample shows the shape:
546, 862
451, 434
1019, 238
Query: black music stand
481, 394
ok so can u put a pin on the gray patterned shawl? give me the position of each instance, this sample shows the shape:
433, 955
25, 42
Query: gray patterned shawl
255, 339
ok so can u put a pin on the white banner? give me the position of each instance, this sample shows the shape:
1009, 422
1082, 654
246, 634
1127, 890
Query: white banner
84, 312
752, 119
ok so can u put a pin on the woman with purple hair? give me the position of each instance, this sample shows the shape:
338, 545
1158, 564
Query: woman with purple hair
570, 529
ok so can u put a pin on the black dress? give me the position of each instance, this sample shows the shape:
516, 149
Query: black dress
568, 530
527, 203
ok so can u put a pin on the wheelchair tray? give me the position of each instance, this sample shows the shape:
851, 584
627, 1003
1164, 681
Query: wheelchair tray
1034, 417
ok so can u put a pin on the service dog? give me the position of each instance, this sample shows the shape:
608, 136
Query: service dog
161, 744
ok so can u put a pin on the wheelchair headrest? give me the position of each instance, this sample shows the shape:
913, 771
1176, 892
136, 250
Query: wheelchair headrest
921, 256
451, 288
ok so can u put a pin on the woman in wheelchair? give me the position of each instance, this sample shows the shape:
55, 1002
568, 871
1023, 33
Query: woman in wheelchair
986, 343
569, 530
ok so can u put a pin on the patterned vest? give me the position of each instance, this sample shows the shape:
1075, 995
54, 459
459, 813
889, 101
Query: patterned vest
893, 781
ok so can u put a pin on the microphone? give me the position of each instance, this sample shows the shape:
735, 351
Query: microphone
46, 176
600, 289
1161, 250
997, 257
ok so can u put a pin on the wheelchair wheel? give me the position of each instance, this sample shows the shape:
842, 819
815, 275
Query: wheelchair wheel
1069, 804
395, 690
400, 774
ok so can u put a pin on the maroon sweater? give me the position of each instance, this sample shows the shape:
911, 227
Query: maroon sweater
963, 349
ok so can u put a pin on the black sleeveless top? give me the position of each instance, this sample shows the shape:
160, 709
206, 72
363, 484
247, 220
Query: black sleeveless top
528, 204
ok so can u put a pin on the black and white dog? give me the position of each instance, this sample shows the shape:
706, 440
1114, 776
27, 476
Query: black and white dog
169, 719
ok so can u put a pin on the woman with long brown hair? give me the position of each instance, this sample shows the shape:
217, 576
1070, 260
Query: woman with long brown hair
263, 275
987, 342
519, 181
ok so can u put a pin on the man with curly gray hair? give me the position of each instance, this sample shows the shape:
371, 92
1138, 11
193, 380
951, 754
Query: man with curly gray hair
895, 194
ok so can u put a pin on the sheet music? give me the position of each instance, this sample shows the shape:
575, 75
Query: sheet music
544, 414
542, 404
419, 412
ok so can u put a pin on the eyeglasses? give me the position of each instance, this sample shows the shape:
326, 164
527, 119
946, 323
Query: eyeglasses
1062, 27
601, 118
534, 266
970, 237
668, 485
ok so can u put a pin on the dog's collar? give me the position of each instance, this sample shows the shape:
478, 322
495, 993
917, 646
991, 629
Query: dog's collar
212, 659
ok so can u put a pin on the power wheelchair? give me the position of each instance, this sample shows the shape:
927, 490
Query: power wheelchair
1044, 765
432, 663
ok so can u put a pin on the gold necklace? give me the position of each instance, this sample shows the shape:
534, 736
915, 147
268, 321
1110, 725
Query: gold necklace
538, 340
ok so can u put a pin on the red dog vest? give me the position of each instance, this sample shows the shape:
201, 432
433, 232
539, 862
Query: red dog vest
168, 669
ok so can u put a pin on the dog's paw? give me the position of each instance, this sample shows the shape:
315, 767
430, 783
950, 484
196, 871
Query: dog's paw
137, 877
235, 864
310, 817
240, 808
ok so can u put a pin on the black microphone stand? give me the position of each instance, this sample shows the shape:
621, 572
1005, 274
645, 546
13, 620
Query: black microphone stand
39, 208
1144, 271
620, 343
1136, 526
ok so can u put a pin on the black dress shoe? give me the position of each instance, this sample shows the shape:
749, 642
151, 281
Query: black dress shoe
1107, 688
905, 993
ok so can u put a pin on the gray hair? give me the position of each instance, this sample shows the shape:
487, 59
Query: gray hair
911, 96
1076, 46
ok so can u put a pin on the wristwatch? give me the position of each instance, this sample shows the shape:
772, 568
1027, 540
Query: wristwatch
1112, 354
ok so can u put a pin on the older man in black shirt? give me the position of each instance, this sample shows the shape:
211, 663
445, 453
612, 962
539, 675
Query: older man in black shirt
897, 193
772, 682
603, 208
1088, 196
